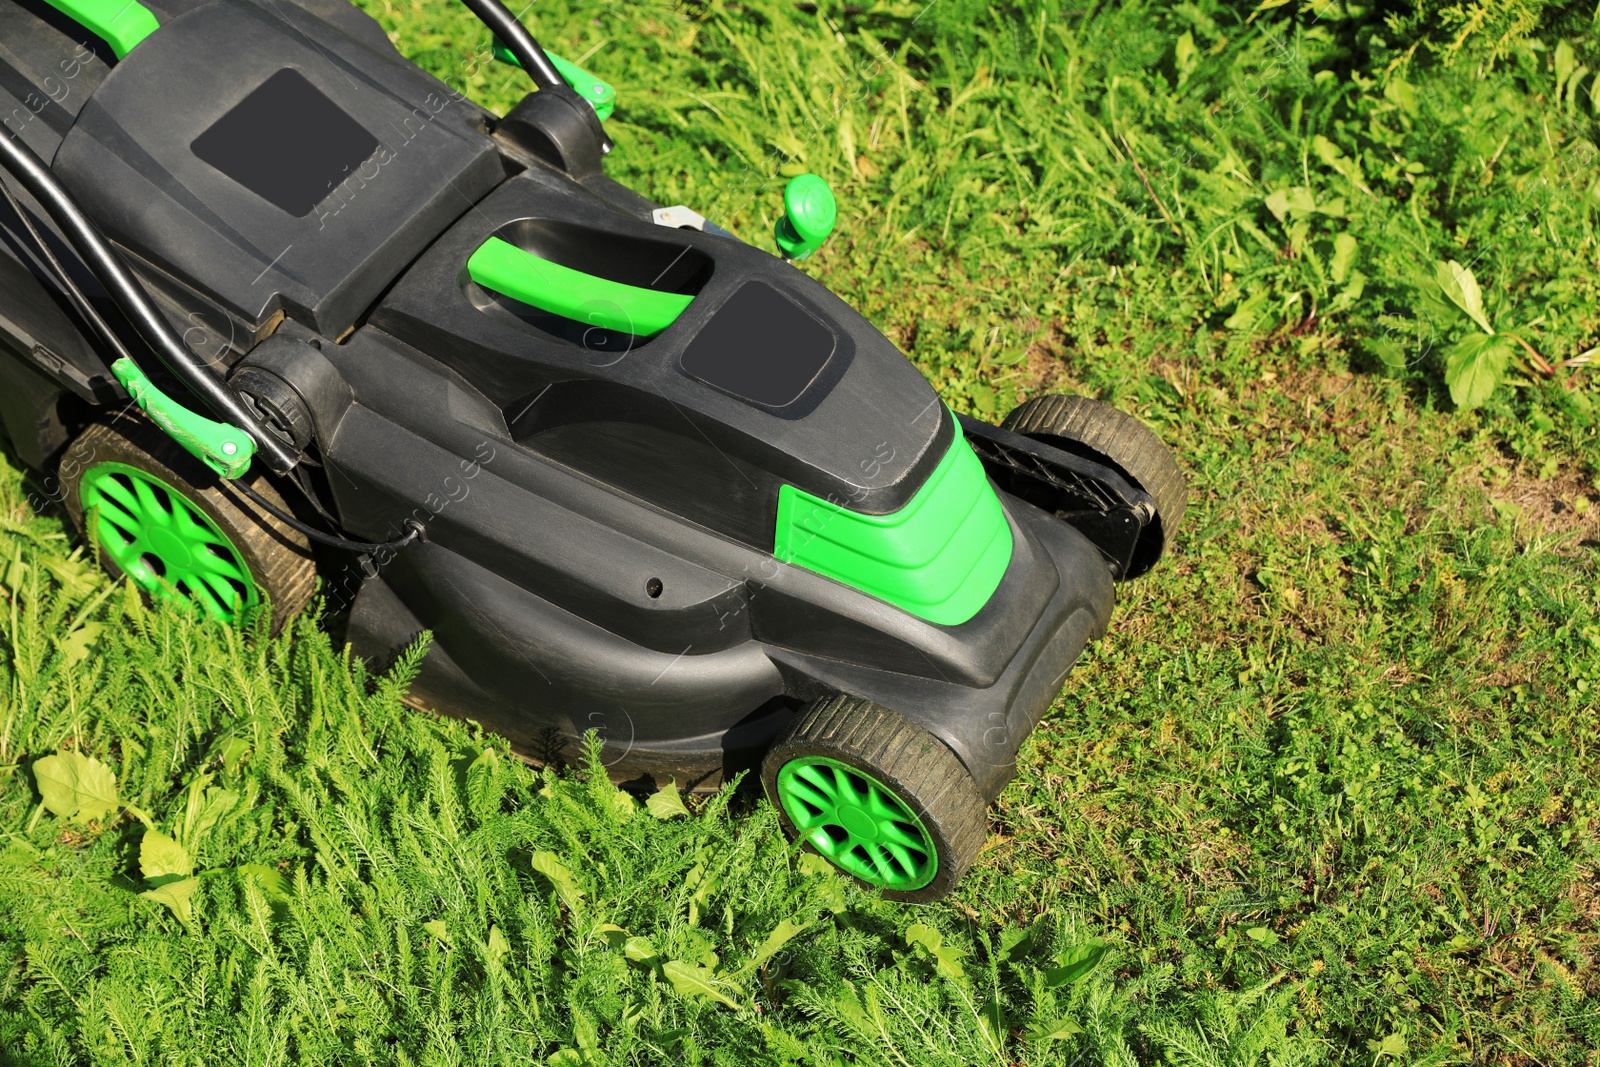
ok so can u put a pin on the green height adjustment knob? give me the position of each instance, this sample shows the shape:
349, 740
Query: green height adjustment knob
809, 212
600, 95
225, 449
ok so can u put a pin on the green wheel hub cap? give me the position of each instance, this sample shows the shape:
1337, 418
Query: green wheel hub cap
169, 547
857, 823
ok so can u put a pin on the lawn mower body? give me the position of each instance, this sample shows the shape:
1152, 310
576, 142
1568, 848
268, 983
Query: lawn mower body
601, 506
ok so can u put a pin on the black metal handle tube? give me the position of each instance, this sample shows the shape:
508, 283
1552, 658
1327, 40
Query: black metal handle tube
135, 304
511, 31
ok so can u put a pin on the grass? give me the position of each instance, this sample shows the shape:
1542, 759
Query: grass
1328, 792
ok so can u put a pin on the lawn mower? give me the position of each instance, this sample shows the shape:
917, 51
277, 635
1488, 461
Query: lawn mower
271, 295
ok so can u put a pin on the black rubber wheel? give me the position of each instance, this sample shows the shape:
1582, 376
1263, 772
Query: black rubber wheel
1099, 431
878, 796
178, 531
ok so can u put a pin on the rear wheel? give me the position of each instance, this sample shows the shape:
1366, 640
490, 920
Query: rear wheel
878, 797
1100, 432
160, 516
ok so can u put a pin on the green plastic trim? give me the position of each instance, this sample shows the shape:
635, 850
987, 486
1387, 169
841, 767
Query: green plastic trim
600, 95
223, 448
548, 286
857, 823
122, 24
170, 548
809, 215
940, 557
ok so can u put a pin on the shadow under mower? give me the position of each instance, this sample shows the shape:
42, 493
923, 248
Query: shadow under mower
636, 476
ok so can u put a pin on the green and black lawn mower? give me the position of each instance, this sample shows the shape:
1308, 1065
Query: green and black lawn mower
270, 294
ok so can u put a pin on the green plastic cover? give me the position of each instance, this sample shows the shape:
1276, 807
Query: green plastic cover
940, 557
120, 23
548, 286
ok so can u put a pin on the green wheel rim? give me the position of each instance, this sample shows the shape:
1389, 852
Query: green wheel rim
170, 548
857, 823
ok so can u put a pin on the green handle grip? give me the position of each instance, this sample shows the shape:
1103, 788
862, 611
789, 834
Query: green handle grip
601, 96
225, 449
572, 294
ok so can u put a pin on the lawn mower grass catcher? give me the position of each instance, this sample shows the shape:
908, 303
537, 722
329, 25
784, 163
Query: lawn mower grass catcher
272, 296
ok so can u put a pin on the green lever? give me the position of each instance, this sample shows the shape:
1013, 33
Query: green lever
601, 96
548, 286
809, 212
225, 449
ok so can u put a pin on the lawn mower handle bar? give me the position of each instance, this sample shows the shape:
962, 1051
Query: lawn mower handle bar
135, 305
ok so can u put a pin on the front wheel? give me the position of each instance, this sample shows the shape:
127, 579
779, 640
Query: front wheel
155, 513
878, 797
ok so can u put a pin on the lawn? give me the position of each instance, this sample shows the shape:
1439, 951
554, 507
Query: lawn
1327, 792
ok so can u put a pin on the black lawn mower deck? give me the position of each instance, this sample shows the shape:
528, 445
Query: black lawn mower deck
637, 479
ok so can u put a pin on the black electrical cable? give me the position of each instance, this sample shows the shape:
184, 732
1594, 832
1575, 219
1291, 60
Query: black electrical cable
135, 303
413, 527
75, 295
515, 36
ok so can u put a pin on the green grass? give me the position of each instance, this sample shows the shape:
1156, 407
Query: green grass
1328, 791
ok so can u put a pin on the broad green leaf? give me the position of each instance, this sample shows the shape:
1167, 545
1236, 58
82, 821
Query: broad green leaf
781, 935
1460, 286
615, 936
76, 787
810, 863
1297, 199
1344, 254
1473, 367
498, 947
234, 749
162, 858
1015, 943
1261, 935
1565, 63
1388, 352
1401, 94
947, 959
1393, 1045
1059, 1030
274, 886
175, 895
77, 645
640, 950
666, 802
1075, 964
983, 399
549, 865
694, 981
437, 928
992, 1016
566, 1057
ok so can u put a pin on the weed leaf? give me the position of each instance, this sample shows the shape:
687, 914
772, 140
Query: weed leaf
1473, 367
947, 959
547, 864
175, 895
666, 802
1075, 965
163, 860
1344, 254
274, 886
1059, 1030
691, 980
76, 787
1461, 287
440, 933
781, 935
